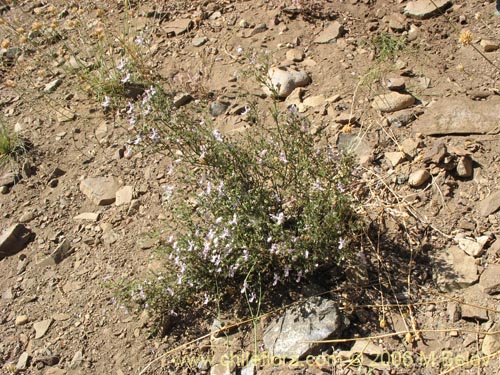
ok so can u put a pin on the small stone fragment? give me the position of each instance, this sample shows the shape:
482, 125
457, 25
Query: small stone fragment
464, 167
314, 101
393, 101
396, 84
419, 177
21, 320
87, 216
182, 99
295, 55
199, 41
178, 27
491, 342
330, 34
473, 247
489, 45
455, 269
22, 363
487, 206
395, 158
52, 86
474, 313
41, 328
124, 195
101, 190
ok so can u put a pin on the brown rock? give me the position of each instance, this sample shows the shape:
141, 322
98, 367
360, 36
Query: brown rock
491, 343
419, 177
490, 205
178, 27
423, 9
459, 116
490, 279
14, 239
330, 34
101, 190
392, 102
489, 45
464, 167
455, 269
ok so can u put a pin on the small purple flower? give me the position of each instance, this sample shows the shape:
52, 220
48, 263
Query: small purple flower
154, 135
341, 186
217, 135
252, 298
106, 102
138, 139
342, 243
130, 108
126, 78
139, 40
121, 65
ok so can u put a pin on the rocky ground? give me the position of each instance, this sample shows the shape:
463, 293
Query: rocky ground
399, 82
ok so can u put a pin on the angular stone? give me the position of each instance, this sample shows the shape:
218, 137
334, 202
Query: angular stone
396, 84
473, 247
395, 158
62, 251
393, 101
14, 239
491, 343
423, 9
285, 79
124, 195
419, 177
313, 320
295, 55
199, 41
21, 320
41, 328
489, 45
402, 118
490, 279
178, 27
101, 190
464, 167
330, 34
87, 216
474, 313
314, 101
52, 86
182, 99
490, 205
454, 269
454, 116
55, 371
22, 363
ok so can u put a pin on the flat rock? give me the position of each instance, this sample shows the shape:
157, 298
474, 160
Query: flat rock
284, 80
295, 55
426, 8
393, 101
313, 320
100, 190
21, 320
41, 328
87, 216
473, 247
55, 371
474, 313
454, 269
62, 251
465, 167
52, 86
490, 279
450, 116
199, 41
22, 362
314, 101
491, 343
124, 195
178, 27
182, 99
14, 239
490, 205
395, 158
330, 34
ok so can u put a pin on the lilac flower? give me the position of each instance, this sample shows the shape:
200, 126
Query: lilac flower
170, 291
239, 50
245, 286
169, 191
217, 135
292, 109
342, 243
130, 108
207, 299
121, 65
252, 297
139, 40
341, 187
246, 109
234, 221
283, 158
280, 218
126, 78
154, 135
106, 102
132, 121
138, 139
276, 279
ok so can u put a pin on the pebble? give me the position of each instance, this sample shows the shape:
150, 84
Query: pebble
295, 55
21, 320
395, 158
22, 363
491, 343
87, 216
393, 101
182, 99
464, 167
124, 195
199, 41
419, 177
178, 27
490, 279
396, 84
14, 239
490, 205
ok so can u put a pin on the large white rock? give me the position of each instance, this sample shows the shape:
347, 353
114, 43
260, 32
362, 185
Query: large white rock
426, 8
101, 190
284, 80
